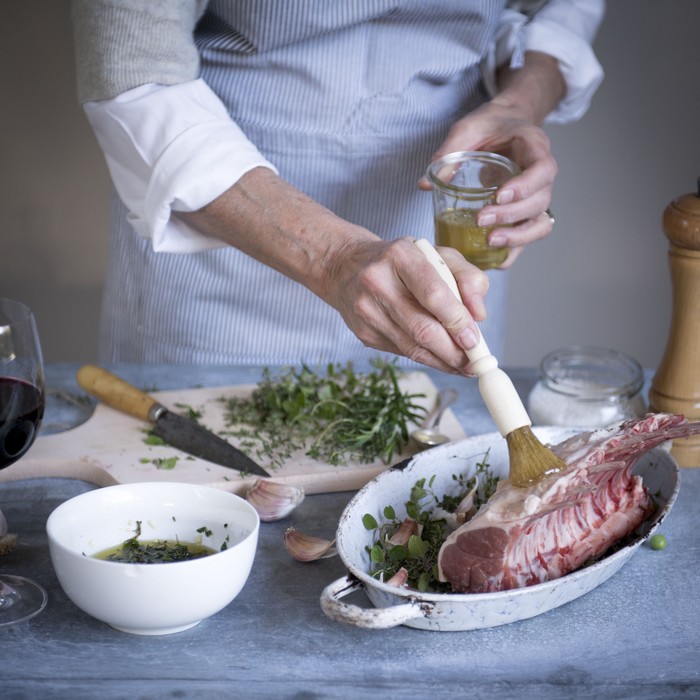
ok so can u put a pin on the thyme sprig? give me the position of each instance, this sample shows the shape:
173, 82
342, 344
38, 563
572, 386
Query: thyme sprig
338, 417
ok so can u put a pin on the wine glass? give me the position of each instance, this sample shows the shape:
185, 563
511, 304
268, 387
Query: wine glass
21, 410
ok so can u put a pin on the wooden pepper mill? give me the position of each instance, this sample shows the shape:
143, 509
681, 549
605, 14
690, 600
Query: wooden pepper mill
675, 387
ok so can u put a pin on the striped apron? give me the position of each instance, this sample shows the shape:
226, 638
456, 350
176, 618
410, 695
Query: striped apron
349, 100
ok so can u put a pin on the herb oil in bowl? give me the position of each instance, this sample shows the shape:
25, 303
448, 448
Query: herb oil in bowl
133, 551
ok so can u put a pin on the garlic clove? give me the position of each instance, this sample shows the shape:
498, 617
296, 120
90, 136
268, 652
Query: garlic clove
274, 500
307, 547
463, 512
467, 508
399, 579
403, 533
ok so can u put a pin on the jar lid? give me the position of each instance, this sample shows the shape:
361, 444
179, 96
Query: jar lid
591, 373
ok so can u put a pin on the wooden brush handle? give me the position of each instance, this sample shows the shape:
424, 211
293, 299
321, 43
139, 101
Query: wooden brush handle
495, 386
117, 393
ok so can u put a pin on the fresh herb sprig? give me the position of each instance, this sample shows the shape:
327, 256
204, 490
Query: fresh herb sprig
487, 485
419, 554
338, 417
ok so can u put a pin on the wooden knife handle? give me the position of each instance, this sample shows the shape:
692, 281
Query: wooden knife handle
117, 393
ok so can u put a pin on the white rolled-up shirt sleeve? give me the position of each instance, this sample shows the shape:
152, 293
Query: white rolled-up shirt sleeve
564, 29
171, 149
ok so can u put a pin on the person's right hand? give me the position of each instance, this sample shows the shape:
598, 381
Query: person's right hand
392, 299
387, 292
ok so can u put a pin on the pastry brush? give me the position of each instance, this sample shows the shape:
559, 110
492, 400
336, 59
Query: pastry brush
530, 460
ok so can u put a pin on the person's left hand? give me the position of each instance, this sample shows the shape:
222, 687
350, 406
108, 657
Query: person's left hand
521, 213
508, 124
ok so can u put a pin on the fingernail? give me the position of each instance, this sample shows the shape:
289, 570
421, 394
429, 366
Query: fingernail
478, 308
497, 240
468, 338
505, 197
486, 220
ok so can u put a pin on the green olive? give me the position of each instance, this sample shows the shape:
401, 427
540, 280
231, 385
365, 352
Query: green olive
658, 542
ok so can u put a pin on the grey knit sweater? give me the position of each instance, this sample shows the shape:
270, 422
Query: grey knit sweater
121, 44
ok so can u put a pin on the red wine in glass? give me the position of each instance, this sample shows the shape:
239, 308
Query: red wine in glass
21, 411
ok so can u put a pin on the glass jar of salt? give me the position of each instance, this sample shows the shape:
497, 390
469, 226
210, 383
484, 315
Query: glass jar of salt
587, 387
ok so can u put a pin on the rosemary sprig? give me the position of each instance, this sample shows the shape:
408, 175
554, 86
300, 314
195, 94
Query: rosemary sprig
339, 417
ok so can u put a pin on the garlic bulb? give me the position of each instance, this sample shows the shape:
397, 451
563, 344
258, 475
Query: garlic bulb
307, 547
274, 500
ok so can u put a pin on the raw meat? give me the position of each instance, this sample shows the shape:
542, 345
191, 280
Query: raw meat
524, 536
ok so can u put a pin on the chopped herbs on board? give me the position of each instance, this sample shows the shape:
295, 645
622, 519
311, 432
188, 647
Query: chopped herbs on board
338, 417
414, 543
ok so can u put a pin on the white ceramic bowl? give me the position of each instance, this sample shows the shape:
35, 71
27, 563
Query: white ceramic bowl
153, 598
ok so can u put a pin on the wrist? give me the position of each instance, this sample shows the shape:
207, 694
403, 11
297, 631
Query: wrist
532, 90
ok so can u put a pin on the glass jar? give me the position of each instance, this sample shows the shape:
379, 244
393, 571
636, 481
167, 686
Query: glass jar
463, 183
587, 387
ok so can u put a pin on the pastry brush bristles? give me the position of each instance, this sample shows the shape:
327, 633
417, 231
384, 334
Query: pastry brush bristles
530, 460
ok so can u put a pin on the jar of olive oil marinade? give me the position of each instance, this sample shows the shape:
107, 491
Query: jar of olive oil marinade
587, 387
463, 183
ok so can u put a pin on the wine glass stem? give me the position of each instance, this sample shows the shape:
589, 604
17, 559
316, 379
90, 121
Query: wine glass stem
7, 595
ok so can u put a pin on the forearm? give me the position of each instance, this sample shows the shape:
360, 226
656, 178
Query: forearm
273, 222
386, 291
533, 90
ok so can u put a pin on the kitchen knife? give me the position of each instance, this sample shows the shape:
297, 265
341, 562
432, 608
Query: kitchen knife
178, 431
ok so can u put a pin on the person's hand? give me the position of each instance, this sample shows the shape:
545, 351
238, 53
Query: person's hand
520, 214
393, 300
387, 292
508, 125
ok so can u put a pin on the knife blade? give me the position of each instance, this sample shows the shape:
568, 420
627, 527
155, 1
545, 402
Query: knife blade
176, 430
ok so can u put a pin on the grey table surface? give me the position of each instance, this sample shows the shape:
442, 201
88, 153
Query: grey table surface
635, 636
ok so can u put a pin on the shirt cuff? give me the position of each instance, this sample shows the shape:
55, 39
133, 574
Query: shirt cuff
578, 65
170, 149
567, 40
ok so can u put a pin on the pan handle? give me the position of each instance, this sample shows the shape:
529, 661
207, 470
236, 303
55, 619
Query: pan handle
371, 618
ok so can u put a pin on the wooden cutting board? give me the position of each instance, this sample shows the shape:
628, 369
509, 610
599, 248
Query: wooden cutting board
110, 448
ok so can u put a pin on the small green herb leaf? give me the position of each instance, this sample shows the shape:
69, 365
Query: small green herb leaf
152, 439
369, 521
165, 462
377, 554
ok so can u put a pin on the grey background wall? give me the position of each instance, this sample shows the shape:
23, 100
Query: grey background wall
602, 277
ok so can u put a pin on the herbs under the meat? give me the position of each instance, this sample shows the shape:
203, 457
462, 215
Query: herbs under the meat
338, 417
419, 555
